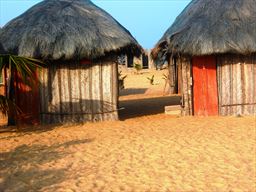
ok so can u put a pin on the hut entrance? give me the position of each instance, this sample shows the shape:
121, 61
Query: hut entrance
129, 61
145, 61
205, 86
144, 92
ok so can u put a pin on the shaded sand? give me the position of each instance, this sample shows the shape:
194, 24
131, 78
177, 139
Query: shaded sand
133, 107
156, 153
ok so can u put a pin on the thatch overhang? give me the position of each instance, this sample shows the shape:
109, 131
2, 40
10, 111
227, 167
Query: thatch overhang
1, 46
207, 27
2, 51
66, 29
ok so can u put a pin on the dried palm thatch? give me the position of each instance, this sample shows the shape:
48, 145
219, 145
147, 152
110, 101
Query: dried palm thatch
1, 46
212, 27
66, 29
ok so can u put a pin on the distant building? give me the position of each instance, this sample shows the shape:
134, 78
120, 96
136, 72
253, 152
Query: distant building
128, 60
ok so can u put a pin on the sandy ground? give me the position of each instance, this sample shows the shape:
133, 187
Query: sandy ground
138, 85
146, 151
151, 153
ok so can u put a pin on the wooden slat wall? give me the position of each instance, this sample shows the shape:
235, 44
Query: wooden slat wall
237, 84
74, 92
172, 76
186, 89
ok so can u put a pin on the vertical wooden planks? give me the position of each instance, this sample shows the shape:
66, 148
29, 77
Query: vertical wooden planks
107, 90
179, 76
186, 88
247, 74
85, 93
43, 79
65, 97
254, 83
114, 84
189, 86
74, 93
79, 92
55, 95
219, 76
238, 83
172, 75
96, 99
224, 81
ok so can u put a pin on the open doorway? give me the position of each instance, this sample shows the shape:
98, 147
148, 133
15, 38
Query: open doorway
144, 91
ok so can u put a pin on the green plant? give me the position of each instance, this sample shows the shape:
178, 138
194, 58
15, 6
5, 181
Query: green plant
23, 66
167, 80
166, 77
151, 79
121, 80
138, 67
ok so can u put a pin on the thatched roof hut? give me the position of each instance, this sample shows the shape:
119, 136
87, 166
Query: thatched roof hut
208, 27
215, 35
65, 29
80, 43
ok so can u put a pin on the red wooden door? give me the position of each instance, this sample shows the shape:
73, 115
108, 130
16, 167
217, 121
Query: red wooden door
27, 100
205, 86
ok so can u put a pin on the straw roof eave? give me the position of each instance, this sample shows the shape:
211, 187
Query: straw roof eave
207, 27
66, 29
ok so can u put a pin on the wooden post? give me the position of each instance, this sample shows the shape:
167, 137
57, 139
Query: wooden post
186, 89
172, 75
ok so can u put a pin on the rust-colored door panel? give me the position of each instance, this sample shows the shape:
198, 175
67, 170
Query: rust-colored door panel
27, 100
205, 94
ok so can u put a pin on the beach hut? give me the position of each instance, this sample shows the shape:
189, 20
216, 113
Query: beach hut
79, 42
211, 49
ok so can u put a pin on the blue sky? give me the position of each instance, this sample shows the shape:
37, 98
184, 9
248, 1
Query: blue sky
147, 20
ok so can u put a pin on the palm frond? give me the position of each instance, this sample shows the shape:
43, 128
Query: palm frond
8, 105
24, 66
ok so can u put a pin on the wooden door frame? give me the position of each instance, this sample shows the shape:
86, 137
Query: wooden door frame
193, 84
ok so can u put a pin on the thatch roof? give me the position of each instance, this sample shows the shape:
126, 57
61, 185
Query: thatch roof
1, 46
212, 27
66, 29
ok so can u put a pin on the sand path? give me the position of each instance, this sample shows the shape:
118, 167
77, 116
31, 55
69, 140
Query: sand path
153, 153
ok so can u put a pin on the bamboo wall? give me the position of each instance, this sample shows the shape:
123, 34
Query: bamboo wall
185, 81
181, 82
75, 92
172, 75
175, 75
237, 84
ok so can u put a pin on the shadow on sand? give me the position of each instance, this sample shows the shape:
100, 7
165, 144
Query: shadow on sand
147, 106
132, 91
20, 169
